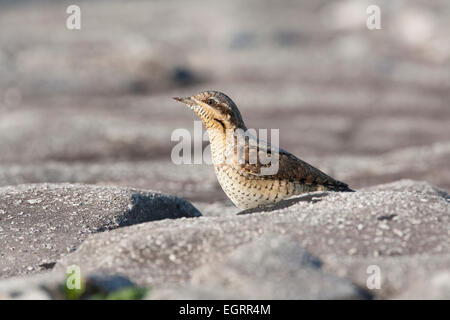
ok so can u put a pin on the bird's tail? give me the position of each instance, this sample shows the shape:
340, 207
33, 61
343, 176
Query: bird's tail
339, 186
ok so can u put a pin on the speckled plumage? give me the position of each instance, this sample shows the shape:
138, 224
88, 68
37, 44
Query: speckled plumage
234, 152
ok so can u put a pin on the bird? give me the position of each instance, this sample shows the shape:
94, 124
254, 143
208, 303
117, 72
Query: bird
241, 160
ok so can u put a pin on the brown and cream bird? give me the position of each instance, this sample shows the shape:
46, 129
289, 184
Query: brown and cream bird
251, 172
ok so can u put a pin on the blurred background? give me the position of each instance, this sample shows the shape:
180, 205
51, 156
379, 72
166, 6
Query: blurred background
94, 105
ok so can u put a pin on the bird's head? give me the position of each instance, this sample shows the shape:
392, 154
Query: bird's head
215, 109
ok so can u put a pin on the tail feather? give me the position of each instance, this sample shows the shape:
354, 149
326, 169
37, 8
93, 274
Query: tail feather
339, 186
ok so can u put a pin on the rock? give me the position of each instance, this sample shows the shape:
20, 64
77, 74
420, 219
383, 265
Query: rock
40, 223
365, 227
407, 185
436, 287
397, 273
217, 209
195, 293
269, 268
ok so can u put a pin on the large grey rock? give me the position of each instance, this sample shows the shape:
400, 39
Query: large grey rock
270, 267
399, 222
40, 223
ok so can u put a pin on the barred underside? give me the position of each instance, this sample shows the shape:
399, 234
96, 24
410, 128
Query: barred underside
249, 191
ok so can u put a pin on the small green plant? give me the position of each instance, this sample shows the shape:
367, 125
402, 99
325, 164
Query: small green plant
73, 293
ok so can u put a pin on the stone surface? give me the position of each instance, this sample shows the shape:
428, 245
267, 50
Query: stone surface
397, 273
404, 223
270, 267
40, 223
436, 287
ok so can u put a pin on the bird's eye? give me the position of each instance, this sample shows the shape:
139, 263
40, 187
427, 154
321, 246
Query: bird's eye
211, 102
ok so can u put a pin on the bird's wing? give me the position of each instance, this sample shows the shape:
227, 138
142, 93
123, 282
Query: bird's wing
289, 168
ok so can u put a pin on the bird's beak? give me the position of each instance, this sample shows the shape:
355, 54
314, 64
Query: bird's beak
188, 100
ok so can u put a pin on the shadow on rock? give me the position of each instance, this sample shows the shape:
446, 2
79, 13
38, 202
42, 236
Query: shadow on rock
154, 207
313, 198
